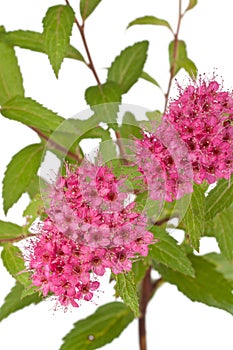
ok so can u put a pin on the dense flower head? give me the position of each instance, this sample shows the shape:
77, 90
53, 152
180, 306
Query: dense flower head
193, 143
89, 228
162, 158
203, 115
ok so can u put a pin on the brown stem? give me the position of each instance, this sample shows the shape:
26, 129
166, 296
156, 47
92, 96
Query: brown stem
15, 239
90, 63
58, 147
121, 147
148, 289
175, 52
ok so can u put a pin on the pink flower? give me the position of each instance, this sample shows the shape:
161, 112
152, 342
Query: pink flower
88, 230
203, 115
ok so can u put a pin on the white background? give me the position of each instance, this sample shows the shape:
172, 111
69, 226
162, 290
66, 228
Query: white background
173, 320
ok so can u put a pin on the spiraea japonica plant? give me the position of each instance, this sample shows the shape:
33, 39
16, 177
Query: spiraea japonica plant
111, 208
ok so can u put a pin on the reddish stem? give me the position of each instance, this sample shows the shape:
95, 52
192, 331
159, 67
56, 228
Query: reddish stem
90, 63
58, 147
175, 52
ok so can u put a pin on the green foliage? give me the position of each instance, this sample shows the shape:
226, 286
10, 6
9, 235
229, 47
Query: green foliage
139, 269
27, 39
126, 288
219, 198
127, 68
13, 301
8, 230
149, 78
222, 229
178, 59
99, 329
129, 127
14, 263
31, 113
11, 82
58, 23
208, 286
19, 173
192, 4
150, 20
223, 265
167, 252
104, 101
195, 217
87, 7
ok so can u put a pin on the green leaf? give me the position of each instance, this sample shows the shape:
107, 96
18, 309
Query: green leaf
149, 78
150, 20
139, 269
14, 263
223, 265
19, 173
34, 210
181, 60
34, 41
104, 101
126, 288
11, 82
99, 329
58, 23
87, 7
222, 229
194, 217
130, 127
208, 287
220, 198
127, 68
13, 301
9, 230
167, 252
192, 4
31, 113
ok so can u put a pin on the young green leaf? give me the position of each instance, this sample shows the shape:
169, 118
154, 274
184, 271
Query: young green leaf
149, 78
178, 59
150, 20
192, 4
13, 301
14, 263
31, 113
220, 198
58, 23
222, 229
167, 252
19, 173
127, 68
87, 7
195, 216
104, 101
34, 41
126, 288
9, 230
99, 329
208, 287
11, 82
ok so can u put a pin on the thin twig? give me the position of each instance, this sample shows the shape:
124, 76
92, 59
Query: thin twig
90, 63
175, 52
58, 147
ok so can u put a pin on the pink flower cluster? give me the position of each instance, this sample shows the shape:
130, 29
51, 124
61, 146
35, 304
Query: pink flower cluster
203, 115
163, 160
90, 227
199, 123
